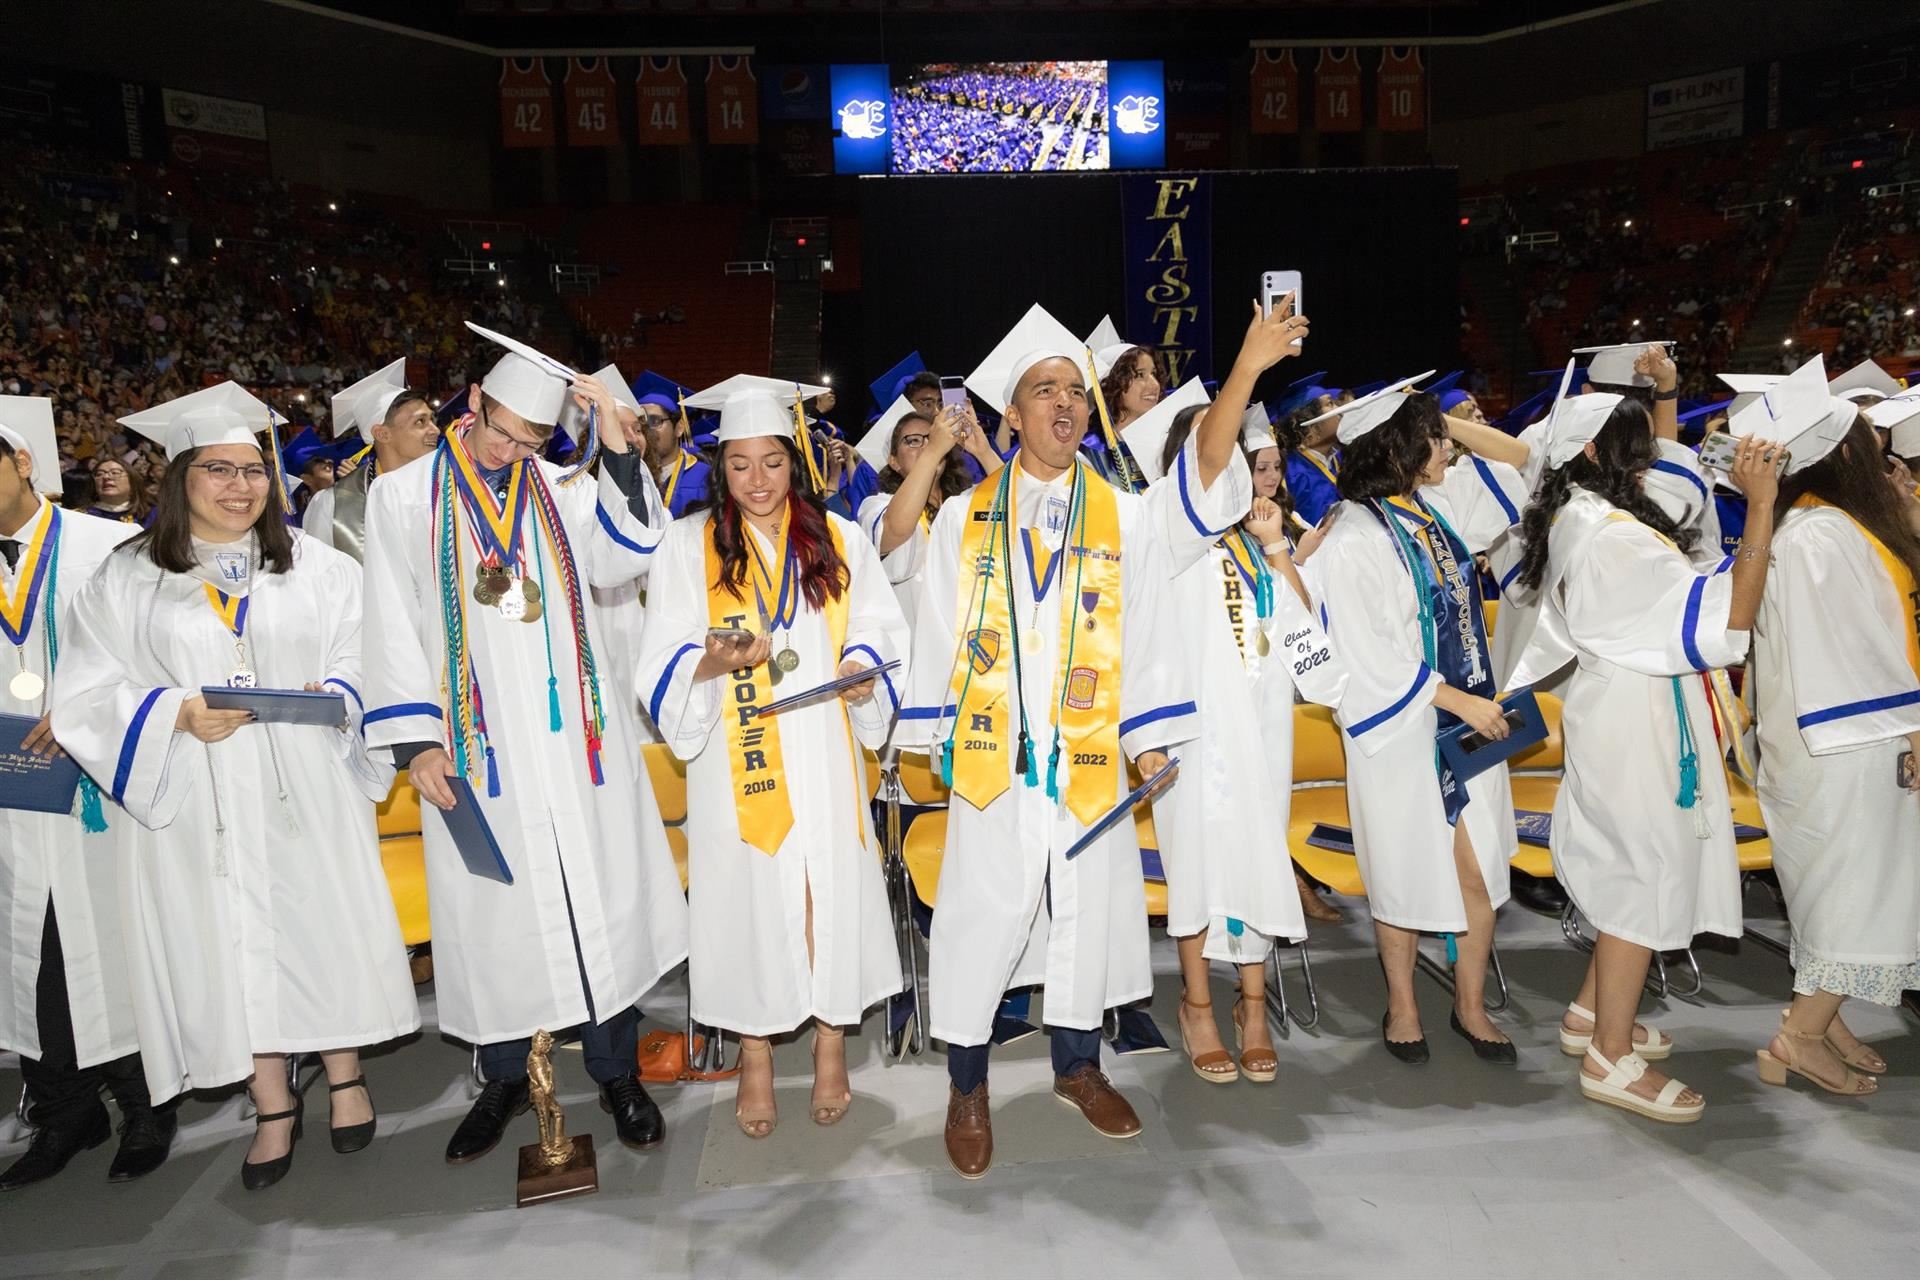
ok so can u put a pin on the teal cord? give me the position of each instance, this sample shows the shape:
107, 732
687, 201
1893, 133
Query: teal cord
554, 722
1689, 793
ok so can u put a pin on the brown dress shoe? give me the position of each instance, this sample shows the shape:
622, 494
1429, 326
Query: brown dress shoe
1101, 1103
1312, 905
969, 1131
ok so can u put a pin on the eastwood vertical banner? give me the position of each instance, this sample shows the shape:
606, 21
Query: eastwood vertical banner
1170, 269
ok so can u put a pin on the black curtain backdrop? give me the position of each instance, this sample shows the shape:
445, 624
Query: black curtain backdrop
948, 264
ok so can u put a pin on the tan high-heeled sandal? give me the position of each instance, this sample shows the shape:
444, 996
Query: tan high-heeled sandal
1862, 1057
1215, 1066
827, 1113
755, 1124
1312, 905
1257, 1065
1774, 1069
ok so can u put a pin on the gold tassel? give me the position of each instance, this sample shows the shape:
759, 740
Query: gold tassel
806, 445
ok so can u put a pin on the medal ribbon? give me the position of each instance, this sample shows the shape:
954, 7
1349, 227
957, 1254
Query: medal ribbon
786, 596
231, 610
29, 576
495, 530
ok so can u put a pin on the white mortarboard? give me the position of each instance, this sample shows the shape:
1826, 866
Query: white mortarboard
1255, 419
1357, 417
363, 406
1104, 334
1104, 358
1613, 365
1146, 435
877, 445
1865, 379
1800, 413
223, 414
751, 406
573, 419
26, 423
1037, 337
1575, 421
530, 383
1899, 415
1748, 387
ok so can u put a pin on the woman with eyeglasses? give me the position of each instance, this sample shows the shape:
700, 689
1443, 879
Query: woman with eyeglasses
117, 494
257, 919
923, 469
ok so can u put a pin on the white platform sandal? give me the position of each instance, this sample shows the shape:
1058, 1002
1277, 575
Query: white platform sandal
1575, 1043
1615, 1091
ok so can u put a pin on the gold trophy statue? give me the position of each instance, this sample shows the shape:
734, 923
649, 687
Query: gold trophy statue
557, 1166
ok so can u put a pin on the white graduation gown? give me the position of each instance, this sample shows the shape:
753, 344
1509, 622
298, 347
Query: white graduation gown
1400, 831
1634, 612
317, 519
48, 858
278, 936
1217, 826
748, 969
1836, 698
585, 858
906, 564
1012, 911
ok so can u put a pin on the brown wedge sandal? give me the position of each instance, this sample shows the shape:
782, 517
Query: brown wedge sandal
1215, 1066
1257, 1065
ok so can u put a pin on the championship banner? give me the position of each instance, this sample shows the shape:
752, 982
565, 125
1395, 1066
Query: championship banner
526, 103
592, 117
1702, 108
1169, 232
733, 100
661, 88
1276, 92
1336, 91
216, 133
1400, 92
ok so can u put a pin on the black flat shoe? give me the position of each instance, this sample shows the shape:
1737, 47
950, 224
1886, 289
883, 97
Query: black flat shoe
146, 1136
1412, 1052
480, 1132
349, 1138
636, 1117
1501, 1051
1537, 893
258, 1177
53, 1146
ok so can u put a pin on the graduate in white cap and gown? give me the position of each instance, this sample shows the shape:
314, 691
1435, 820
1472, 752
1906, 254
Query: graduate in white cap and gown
480, 557
1255, 644
1837, 690
1401, 604
790, 921
1642, 833
66, 1005
1046, 656
256, 916
398, 420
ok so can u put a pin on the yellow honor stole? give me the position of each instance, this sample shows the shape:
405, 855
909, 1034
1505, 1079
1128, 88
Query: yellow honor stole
1901, 576
753, 745
1085, 717
1245, 575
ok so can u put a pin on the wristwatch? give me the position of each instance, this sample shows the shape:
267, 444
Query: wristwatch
1671, 393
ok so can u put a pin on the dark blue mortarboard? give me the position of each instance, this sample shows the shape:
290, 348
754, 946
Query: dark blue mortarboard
347, 446
1522, 414
1445, 383
1367, 389
887, 387
1300, 391
298, 453
653, 384
451, 408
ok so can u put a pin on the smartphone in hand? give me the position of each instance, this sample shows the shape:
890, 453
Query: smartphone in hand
1275, 286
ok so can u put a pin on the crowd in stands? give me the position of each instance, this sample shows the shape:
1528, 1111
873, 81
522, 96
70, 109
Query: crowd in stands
1002, 117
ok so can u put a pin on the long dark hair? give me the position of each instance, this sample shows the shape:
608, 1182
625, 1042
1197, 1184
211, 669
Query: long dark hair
1623, 450
1854, 479
1122, 375
168, 542
1283, 495
1387, 462
954, 478
823, 574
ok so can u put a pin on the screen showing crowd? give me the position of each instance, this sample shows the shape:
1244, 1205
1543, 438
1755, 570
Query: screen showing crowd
1000, 117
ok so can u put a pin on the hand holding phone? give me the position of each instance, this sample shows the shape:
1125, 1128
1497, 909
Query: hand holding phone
953, 392
1276, 285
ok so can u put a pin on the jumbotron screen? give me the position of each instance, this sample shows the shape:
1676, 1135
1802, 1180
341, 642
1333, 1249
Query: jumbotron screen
1001, 117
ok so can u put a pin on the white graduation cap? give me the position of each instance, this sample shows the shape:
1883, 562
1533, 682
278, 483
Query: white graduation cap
1357, 417
750, 406
532, 384
1104, 358
26, 424
1899, 415
1575, 421
1865, 379
222, 414
1613, 365
1105, 334
363, 406
573, 419
877, 445
1037, 337
1146, 435
1255, 418
1748, 387
1800, 413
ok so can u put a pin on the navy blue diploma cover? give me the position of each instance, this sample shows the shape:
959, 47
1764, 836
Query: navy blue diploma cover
29, 781
1124, 810
280, 706
1466, 753
472, 836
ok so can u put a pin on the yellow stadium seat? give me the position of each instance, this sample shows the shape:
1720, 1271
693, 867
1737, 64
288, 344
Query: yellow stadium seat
677, 841
404, 860
1490, 609
1157, 898
1319, 755
926, 843
399, 813
1534, 793
1340, 872
1143, 827
1746, 804
920, 782
668, 774
1549, 753
873, 773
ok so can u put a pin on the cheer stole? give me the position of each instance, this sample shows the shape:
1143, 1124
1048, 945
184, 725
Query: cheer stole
1904, 585
1086, 703
754, 760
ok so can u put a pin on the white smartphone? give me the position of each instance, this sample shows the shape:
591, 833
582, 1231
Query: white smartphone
1275, 285
953, 392
1717, 450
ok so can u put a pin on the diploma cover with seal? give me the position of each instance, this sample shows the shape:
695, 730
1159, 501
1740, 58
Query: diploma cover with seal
29, 781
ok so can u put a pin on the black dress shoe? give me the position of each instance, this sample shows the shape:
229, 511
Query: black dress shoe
1501, 1051
54, 1145
486, 1120
1537, 893
349, 1138
636, 1117
258, 1177
146, 1135
1412, 1052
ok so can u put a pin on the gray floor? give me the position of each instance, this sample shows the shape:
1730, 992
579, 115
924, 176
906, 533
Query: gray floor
1350, 1164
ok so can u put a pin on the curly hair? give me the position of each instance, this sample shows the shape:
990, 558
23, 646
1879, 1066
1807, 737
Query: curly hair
1387, 462
823, 574
1623, 451
1123, 373
1291, 431
1854, 479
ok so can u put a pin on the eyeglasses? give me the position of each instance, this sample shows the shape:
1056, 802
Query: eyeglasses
657, 419
524, 446
254, 473
917, 441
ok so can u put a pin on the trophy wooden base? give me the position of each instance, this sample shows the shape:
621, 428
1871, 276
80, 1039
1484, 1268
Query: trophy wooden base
540, 1181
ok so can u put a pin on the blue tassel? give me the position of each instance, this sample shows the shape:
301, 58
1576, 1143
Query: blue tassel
1053, 774
1453, 949
93, 816
1236, 927
493, 775
553, 704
